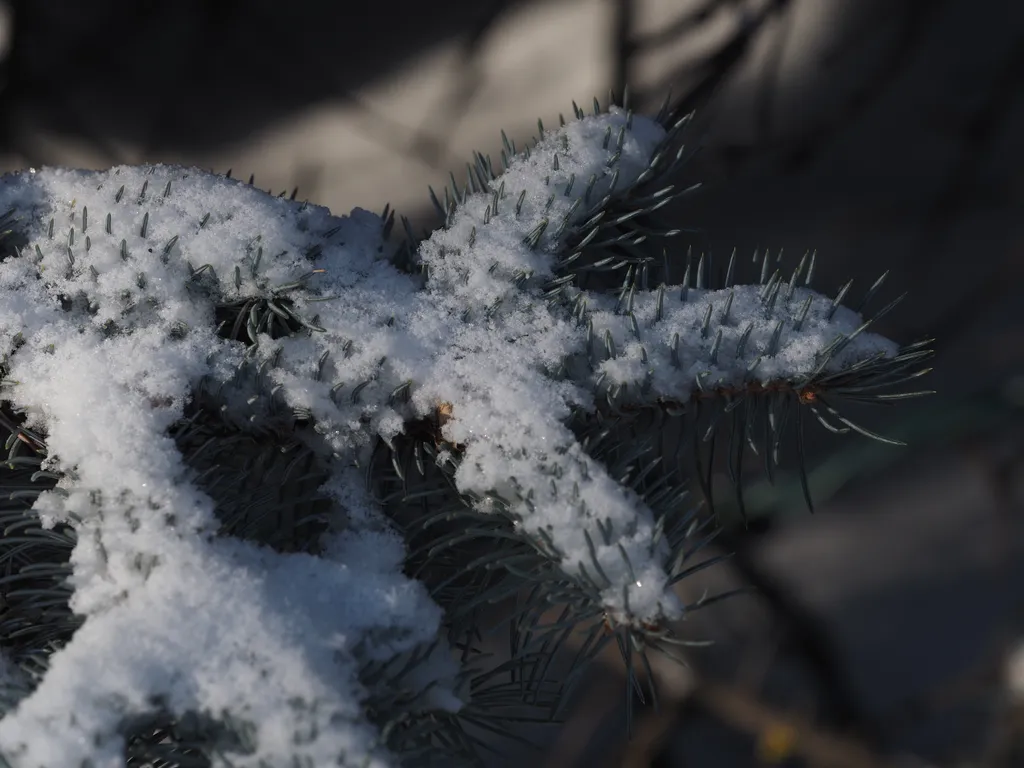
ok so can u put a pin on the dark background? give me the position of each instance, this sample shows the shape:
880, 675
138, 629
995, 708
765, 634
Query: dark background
884, 133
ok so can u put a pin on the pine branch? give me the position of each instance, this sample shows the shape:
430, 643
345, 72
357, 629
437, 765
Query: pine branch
299, 474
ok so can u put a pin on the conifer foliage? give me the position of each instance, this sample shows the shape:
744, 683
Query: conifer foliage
270, 475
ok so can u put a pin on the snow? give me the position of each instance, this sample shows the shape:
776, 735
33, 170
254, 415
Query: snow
738, 312
511, 413
211, 624
215, 625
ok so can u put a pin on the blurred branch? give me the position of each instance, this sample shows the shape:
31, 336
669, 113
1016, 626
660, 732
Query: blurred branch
779, 735
769, 78
808, 637
623, 45
433, 136
913, 24
795, 735
914, 18
689, 22
713, 72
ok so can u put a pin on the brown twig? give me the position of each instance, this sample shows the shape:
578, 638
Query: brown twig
745, 712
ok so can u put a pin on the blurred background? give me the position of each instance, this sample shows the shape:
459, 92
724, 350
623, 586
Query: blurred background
886, 134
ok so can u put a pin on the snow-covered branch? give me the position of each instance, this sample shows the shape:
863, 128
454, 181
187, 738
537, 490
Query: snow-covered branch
126, 293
